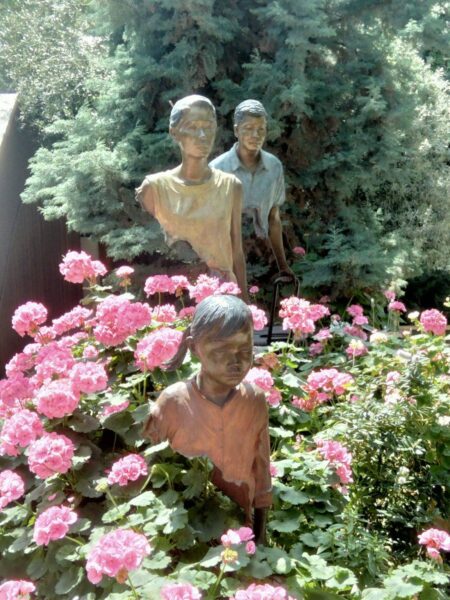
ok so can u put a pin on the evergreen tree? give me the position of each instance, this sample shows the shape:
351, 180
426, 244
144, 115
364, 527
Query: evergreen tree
358, 115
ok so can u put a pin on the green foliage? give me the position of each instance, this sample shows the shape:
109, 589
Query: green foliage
358, 114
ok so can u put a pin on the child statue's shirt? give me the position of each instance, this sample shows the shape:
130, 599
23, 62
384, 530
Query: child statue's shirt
234, 437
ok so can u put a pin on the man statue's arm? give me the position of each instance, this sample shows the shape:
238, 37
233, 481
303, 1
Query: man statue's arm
236, 241
276, 241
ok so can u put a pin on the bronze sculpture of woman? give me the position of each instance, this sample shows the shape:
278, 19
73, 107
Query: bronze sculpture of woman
196, 203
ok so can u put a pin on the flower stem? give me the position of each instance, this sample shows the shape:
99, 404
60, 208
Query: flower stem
74, 540
133, 589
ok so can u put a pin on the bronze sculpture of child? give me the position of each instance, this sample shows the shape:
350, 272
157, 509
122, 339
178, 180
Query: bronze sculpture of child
216, 414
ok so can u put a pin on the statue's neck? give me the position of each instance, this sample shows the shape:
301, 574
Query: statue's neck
193, 171
250, 160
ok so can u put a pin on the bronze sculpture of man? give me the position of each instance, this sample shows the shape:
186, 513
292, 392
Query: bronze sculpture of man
261, 174
195, 203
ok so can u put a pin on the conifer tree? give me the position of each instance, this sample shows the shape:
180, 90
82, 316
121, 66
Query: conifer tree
358, 115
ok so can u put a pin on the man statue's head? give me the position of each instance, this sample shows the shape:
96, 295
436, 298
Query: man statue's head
250, 125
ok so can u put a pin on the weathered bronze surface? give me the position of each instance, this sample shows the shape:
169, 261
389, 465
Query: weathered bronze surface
195, 203
261, 174
215, 414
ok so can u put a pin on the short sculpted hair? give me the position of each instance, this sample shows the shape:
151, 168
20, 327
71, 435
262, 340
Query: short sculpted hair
216, 317
181, 107
254, 108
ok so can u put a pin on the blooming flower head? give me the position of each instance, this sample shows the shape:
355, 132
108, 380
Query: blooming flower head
88, 377
57, 399
126, 469
180, 282
339, 457
164, 313
50, 454
389, 295
115, 554
237, 536
157, 347
254, 289
262, 591
273, 397
124, 272
229, 556
323, 334
433, 321
159, 284
204, 286
117, 318
53, 524
378, 337
180, 591
300, 316
13, 390
316, 348
327, 382
187, 312
396, 306
259, 317
22, 428
229, 287
78, 266
12, 487
356, 348
16, 589
435, 540
27, 318
71, 320
260, 377
299, 250
53, 359
355, 310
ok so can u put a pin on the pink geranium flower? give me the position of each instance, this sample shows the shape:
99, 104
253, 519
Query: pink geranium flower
254, 289
263, 591
299, 250
433, 321
53, 359
89, 377
159, 284
13, 391
115, 554
16, 589
180, 591
117, 318
27, 318
259, 317
78, 266
164, 313
396, 306
204, 286
71, 320
339, 457
157, 347
260, 377
124, 272
435, 540
22, 428
300, 315
389, 295
126, 469
57, 399
12, 487
50, 454
53, 524
356, 348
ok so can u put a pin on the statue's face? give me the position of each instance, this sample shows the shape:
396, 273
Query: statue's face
196, 132
226, 362
251, 133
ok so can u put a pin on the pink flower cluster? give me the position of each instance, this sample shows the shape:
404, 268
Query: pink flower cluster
356, 312
126, 469
124, 272
259, 317
163, 284
12, 487
396, 306
321, 385
262, 591
78, 266
111, 409
53, 359
264, 380
207, 286
339, 457
50, 454
57, 399
300, 316
116, 553
13, 391
71, 320
117, 318
22, 428
16, 589
88, 377
28, 317
356, 348
234, 537
164, 313
53, 524
433, 321
157, 347
180, 591
22, 361
435, 540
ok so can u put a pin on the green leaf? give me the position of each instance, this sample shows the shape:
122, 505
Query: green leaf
144, 499
82, 456
290, 494
195, 482
116, 513
69, 580
212, 557
37, 567
82, 422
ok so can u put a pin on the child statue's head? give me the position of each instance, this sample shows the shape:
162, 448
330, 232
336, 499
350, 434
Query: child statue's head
221, 336
193, 125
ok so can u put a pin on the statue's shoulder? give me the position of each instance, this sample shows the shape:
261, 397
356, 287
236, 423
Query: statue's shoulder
175, 394
224, 178
271, 160
158, 178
